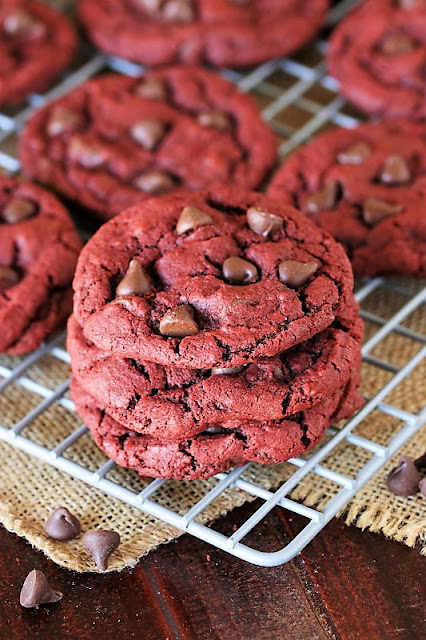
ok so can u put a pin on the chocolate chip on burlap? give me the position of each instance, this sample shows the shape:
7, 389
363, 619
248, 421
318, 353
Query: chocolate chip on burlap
101, 544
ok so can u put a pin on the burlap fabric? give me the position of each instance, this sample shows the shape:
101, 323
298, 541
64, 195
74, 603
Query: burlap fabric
30, 490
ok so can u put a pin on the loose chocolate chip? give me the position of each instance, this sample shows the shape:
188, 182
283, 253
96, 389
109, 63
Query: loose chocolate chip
324, 199
215, 119
36, 591
62, 525
152, 89
356, 154
296, 274
148, 133
154, 182
422, 487
395, 171
404, 479
178, 11
263, 222
179, 322
63, 120
227, 372
89, 155
375, 210
101, 544
239, 271
397, 44
135, 282
21, 23
19, 209
192, 218
8, 278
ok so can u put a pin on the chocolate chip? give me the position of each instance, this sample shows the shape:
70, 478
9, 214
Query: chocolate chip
409, 4
154, 182
36, 591
21, 23
135, 282
227, 372
178, 11
101, 544
215, 119
263, 222
63, 120
296, 274
89, 155
192, 218
8, 278
375, 210
215, 430
398, 44
179, 322
356, 154
152, 89
395, 171
62, 525
324, 199
422, 487
151, 5
239, 271
404, 479
148, 133
19, 209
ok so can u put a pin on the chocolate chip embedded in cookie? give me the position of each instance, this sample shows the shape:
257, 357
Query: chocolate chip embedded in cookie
38, 253
116, 140
378, 55
222, 294
366, 187
223, 32
36, 44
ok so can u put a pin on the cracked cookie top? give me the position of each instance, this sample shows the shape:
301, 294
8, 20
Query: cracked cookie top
221, 32
36, 43
38, 253
378, 55
116, 140
367, 187
209, 279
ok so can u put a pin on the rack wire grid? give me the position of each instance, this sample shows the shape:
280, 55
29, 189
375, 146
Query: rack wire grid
298, 99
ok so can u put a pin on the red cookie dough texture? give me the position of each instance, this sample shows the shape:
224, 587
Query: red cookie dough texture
38, 253
367, 187
221, 32
192, 314
115, 140
378, 55
36, 44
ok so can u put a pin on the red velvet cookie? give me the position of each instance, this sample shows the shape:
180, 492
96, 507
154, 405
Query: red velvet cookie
367, 187
378, 55
116, 140
209, 279
212, 452
36, 44
222, 32
171, 403
38, 253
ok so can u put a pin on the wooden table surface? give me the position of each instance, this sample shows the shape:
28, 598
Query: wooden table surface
347, 584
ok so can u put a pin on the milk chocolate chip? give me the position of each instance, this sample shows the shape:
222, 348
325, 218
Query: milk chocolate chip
152, 89
404, 479
148, 133
135, 282
8, 278
356, 154
263, 222
18, 209
154, 182
296, 274
375, 210
63, 120
192, 218
36, 591
62, 525
397, 44
324, 199
395, 171
179, 322
101, 544
239, 271
215, 119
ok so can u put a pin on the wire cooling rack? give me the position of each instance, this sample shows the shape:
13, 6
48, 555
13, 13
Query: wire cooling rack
298, 99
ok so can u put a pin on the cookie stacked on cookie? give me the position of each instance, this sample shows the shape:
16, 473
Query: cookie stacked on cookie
210, 329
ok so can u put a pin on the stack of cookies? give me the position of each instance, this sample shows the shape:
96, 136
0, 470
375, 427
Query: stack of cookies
211, 329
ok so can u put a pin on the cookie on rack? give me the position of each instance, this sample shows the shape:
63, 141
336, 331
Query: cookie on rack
219, 448
38, 253
209, 279
171, 403
367, 187
221, 32
116, 140
36, 44
378, 55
